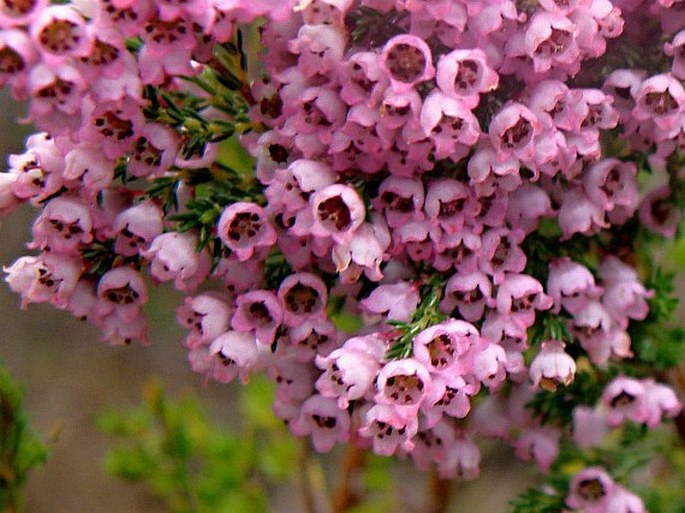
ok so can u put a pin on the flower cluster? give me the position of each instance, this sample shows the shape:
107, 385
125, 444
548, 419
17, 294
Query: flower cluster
429, 167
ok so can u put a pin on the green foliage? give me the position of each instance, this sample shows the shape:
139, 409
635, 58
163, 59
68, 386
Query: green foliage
667, 494
193, 466
538, 501
557, 407
655, 343
427, 314
21, 449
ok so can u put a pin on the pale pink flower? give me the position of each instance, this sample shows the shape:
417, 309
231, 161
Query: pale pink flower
174, 256
234, 355
244, 228
49, 277
321, 418
625, 399
349, 372
388, 430
590, 490
464, 74
408, 61
658, 213
64, 224
259, 311
121, 291
540, 444
552, 366
206, 315
304, 296
397, 301
136, 227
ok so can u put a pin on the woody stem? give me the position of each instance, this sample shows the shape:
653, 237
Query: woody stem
346, 495
440, 491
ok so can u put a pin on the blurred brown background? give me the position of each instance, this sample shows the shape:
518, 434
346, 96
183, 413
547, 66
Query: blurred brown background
70, 377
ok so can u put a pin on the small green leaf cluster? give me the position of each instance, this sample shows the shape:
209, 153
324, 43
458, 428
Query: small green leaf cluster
21, 448
655, 342
427, 314
192, 466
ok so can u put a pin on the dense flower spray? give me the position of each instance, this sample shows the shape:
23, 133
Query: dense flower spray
461, 176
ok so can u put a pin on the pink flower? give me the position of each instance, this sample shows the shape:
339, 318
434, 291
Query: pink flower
489, 364
464, 74
658, 214
154, 151
590, 490
661, 401
18, 14
259, 311
8, 201
121, 291
244, 228
167, 49
313, 338
404, 384
136, 227
538, 443
512, 131
321, 418
433, 446
579, 215
363, 252
589, 426
362, 79
442, 347
19, 57
611, 183
60, 31
571, 285
623, 501
118, 330
401, 200
396, 301
304, 296
675, 49
501, 254
661, 98
50, 277
234, 354
470, 293
112, 125
338, 211
450, 125
320, 48
464, 457
88, 165
388, 430
323, 11
64, 224
552, 366
174, 256
448, 204
206, 315
624, 295
550, 41
350, 371
294, 379
408, 61
625, 399
519, 296
526, 206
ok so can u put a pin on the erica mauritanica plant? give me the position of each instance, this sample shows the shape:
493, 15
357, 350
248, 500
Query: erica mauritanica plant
461, 177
